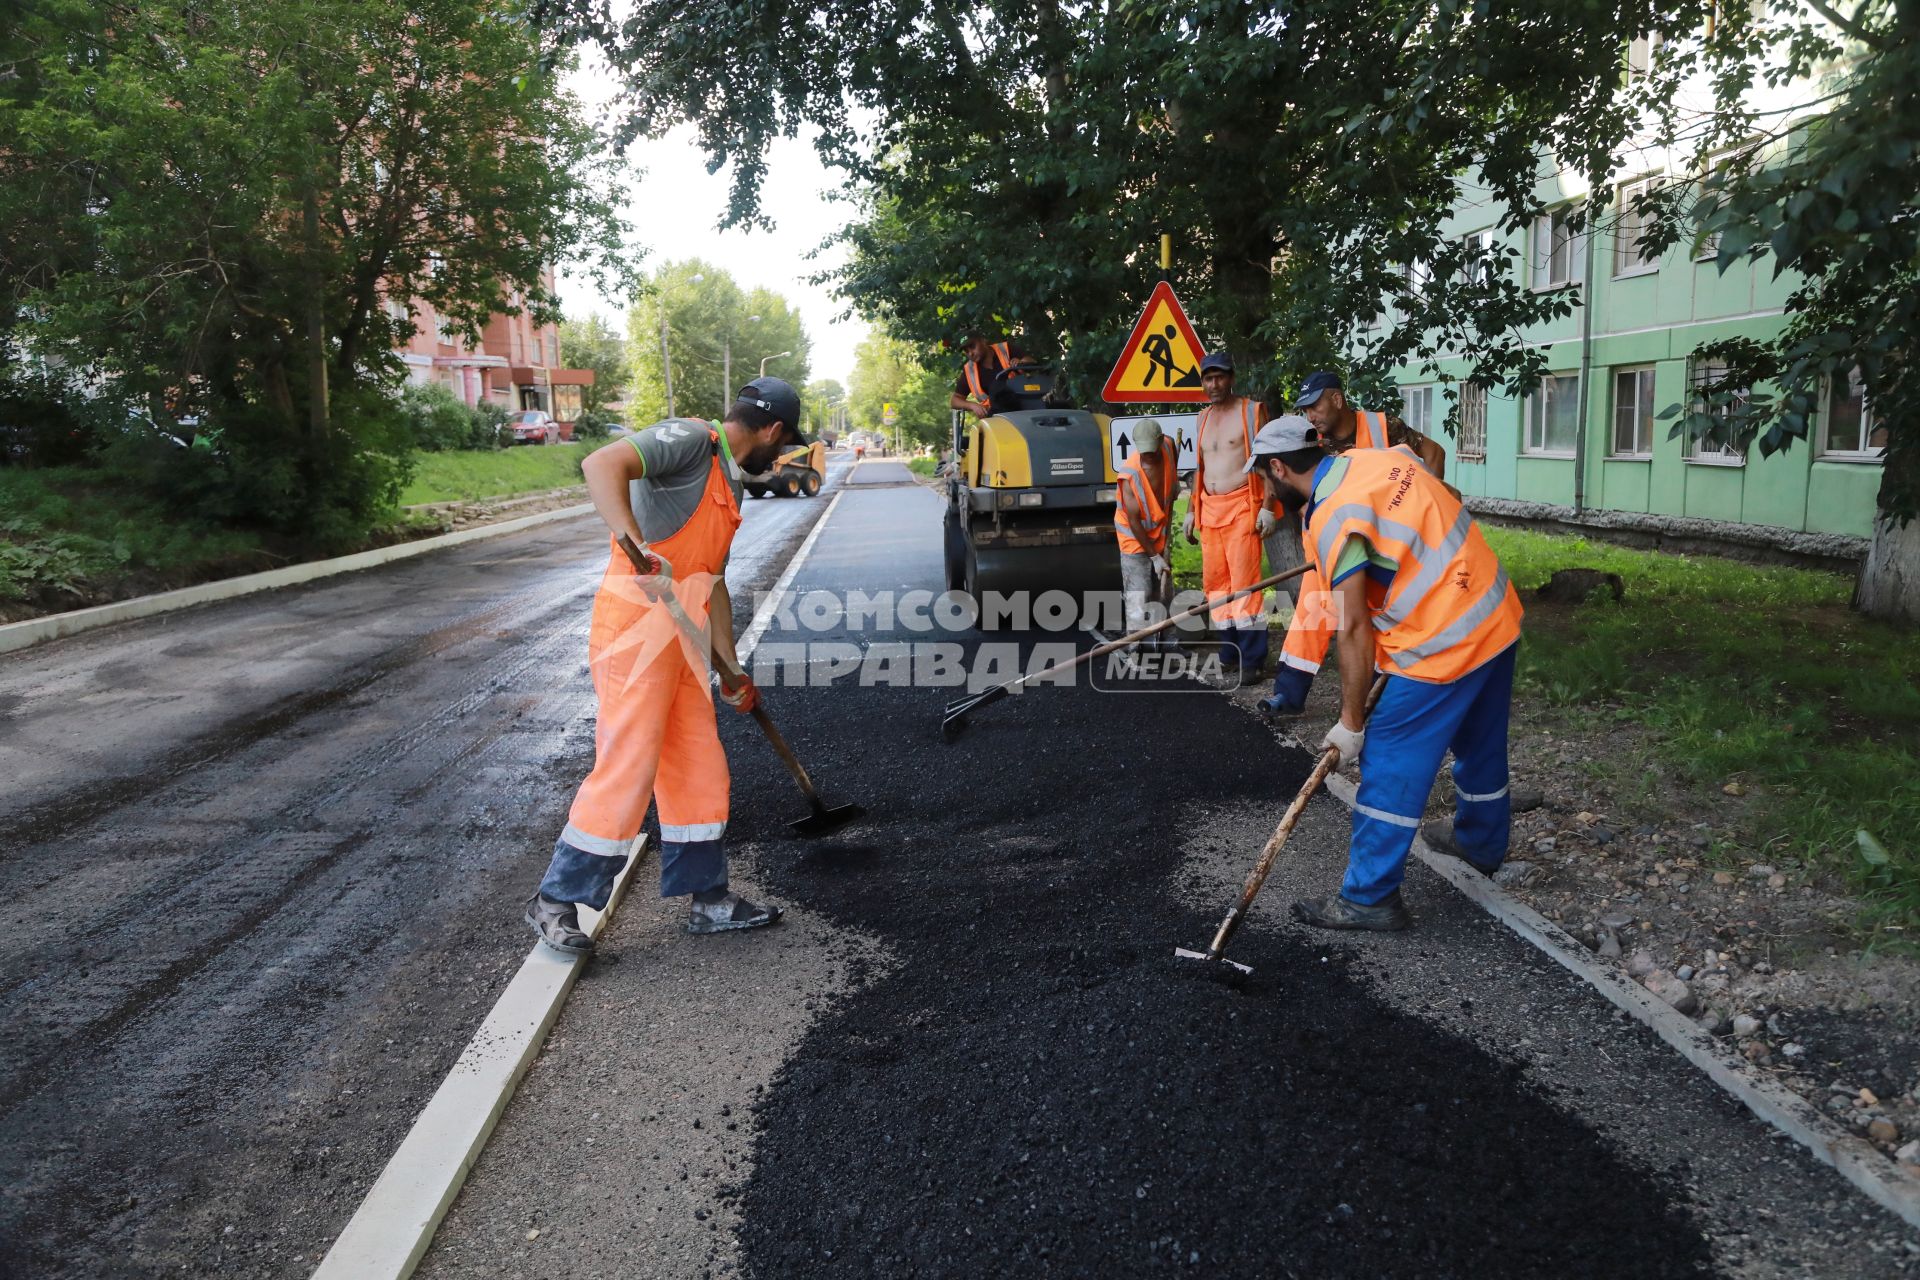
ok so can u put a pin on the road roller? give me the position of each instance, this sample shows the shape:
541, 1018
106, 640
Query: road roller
1030, 496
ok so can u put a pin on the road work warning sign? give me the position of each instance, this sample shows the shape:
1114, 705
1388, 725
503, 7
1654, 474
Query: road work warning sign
1161, 362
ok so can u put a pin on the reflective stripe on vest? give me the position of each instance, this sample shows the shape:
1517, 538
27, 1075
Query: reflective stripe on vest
1449, 606
1366, 433
1153, 505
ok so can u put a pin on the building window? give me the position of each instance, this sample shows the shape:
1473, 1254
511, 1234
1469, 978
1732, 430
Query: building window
1477, 264
1417, 275
1633, 412
1848, 430
1631, 257
552, 347
444, 328
1557, 257
1553, 414
1707, 395
1416, 408
1641, 52
1473, 423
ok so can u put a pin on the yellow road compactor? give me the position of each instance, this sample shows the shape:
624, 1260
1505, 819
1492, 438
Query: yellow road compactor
1030, 498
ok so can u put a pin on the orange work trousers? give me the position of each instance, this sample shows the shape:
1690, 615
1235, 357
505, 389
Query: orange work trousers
1230, 551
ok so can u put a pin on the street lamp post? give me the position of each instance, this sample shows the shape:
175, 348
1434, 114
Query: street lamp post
775, 356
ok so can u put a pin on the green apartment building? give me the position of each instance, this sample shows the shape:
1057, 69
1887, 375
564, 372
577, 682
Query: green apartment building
1593, 450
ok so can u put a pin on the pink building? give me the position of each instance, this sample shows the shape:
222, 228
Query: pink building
516, 364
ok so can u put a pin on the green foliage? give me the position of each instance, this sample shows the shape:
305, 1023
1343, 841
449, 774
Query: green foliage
709, 317
820, 400
594, 344
436, 420
595, 424
468, 476
1751, 673
193, 192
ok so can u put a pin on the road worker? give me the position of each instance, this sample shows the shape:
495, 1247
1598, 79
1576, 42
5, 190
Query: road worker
674, 488
1419, 595
1149, 479
973, 389
1343, 426
1227, 513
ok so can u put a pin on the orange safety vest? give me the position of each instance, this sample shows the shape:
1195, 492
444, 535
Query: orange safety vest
1154, 505
697, 550
1004, 350
1449, 607
1247, 407
1369, 430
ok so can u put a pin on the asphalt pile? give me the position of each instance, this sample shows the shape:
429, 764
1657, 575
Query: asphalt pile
1040, 1088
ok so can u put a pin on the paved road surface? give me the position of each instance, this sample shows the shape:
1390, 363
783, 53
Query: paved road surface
261, 866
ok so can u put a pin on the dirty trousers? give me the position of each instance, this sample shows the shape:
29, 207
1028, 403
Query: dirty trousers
655, 740
1409, 733
1230, 561
1145, 595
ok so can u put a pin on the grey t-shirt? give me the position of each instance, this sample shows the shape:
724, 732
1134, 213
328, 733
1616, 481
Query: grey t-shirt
674, 457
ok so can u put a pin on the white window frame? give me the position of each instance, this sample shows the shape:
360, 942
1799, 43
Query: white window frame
1699, 452
1418, 276
1477, 260
1534, 411
1623, 202
1540, 270
1422, 394
1866, 454
1643, 428
1641, 51
1472, 446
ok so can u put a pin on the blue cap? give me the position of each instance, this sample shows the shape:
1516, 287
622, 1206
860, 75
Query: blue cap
1315, 385
1216, 360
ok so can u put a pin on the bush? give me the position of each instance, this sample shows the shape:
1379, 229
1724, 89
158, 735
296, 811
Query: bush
595, 424
435, 418
486, 429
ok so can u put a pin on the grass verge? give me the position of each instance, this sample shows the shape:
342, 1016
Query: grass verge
922, 466
464, 475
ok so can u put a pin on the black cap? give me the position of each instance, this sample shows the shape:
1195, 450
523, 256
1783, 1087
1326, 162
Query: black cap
1217, 360
1317, 385
777, 397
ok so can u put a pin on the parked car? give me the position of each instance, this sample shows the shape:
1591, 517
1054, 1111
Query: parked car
536, 426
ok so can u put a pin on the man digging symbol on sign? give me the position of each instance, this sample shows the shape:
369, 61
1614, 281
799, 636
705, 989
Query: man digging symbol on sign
1158, 348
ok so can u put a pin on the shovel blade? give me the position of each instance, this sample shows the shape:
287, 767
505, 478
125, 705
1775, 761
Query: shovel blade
825, 821
1204, 958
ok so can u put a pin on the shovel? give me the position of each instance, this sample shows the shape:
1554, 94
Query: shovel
955, 718
1271, 853
822, 820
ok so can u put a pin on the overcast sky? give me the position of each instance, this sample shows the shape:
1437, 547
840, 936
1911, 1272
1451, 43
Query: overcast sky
676, 207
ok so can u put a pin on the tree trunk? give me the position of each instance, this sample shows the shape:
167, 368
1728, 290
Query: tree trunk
1889, 585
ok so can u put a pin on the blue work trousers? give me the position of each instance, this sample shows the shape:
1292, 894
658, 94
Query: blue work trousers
1410, 732
575, 875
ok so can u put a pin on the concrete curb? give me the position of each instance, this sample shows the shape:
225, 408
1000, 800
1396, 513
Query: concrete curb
390, 1232
1856, 1160
19, 635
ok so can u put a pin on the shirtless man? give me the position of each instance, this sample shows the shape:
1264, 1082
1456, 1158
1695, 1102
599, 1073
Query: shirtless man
1228, 515
1323, 399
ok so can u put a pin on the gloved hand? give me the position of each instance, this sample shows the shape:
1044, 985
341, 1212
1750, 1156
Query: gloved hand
1266, 522
1347, 741
1290, 688
1187, 527
742, 697
1160, 566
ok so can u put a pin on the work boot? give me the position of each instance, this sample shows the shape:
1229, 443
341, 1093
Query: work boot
1337, 913
1439, 834
558, 924
729, 912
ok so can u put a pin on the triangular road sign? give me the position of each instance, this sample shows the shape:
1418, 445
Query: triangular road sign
1161, 362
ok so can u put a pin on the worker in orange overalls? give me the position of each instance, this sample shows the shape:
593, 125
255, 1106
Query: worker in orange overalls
674, 488
1228, 514
1419, 595
1148, 479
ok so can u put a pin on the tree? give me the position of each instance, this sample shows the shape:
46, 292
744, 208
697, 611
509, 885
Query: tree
711, 324
1022, 158
1827, 190
594, 344
218, 212
820, 402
